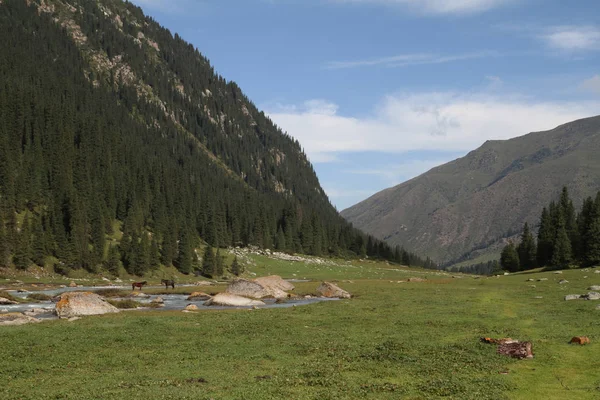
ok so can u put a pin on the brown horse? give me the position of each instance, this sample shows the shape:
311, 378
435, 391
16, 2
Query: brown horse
167, 283
138, 284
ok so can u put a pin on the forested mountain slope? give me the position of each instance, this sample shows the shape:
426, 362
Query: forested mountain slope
119, 142
476, 201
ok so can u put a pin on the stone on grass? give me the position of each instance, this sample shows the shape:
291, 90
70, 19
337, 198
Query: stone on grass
416, 280
330, 290
594, 288
232, 300
592, 296
563, 281
76, 304
542, 279
516, 350
558, 272
572, 297
191, 307
581, 340
16, 319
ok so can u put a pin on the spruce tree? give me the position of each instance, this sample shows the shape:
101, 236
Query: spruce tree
527, 250
208, 262
561, 254
22, 258
236, 268
509, 258
545, 239
113, 260
219, 264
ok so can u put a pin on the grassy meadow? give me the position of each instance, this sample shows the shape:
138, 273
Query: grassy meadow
408, 340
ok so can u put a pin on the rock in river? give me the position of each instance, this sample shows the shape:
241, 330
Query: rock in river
232, 300
75, 304
16, 319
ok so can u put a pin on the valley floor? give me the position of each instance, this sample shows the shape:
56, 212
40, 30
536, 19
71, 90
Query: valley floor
412, 340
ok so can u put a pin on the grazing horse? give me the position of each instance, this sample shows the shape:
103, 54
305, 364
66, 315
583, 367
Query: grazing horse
138, 284
168, 282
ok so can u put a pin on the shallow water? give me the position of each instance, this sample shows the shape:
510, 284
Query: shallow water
171, 301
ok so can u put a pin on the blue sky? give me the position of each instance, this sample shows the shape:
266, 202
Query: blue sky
380, 91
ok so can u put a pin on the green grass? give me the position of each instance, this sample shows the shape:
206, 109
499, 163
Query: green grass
125, 304
392, 341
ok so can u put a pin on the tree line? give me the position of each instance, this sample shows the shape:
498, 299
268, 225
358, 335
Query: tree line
565, 238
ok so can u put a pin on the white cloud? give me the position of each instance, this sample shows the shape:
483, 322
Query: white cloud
405, 60
573, 38
438, 6
396, 173
592, 84
423, 122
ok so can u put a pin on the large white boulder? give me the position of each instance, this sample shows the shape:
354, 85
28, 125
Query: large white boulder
76, 304
232, 300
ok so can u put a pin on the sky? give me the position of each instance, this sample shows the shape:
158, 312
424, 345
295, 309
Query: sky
380, 91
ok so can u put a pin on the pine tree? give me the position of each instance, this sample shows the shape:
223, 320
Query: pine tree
561, 254
527, 250
38, 246
510, 258
113, 261
219, 264
208, 263
545, 239
22, 258
236, 268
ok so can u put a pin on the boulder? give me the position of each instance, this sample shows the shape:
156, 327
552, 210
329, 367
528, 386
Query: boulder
75, 304
199, 296
72, 284
191, 307
16, 319
274, 281
330, 290
580, 340
542, 279
592, 296
246, 288
516, 350
139, 295
158, 300
416, 280
232, 300
6, 302
203, 283
563, 281
597, 271
572, 297
594, 288
558, 272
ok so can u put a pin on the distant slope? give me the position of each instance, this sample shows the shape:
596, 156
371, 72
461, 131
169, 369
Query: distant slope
468, 205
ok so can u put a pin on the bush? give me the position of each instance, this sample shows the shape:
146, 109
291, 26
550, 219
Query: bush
126, 304
111, 293
39, 297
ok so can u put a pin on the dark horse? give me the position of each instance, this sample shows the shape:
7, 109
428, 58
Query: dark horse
138, 284
168, 282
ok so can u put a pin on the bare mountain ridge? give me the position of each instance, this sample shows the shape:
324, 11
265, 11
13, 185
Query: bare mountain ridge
478, 200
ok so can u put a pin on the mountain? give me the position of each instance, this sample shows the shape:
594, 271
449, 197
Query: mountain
119, 144
468, 206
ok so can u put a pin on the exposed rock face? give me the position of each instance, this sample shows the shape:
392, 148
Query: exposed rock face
197, 296
246, 288
516, 350
16, 319
76, 304
232, 300
330, 290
